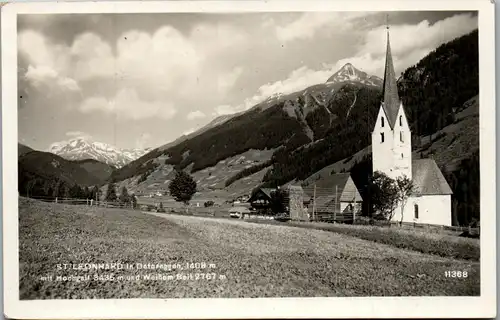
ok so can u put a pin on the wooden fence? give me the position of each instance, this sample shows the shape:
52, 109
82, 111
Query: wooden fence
323, 214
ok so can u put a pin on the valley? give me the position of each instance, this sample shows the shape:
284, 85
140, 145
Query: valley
301, 137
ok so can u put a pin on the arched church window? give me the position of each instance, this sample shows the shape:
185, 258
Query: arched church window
382, 121
381, 137
416, 211
400, 121
401, 136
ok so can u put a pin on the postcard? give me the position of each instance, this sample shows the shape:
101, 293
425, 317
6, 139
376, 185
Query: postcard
248, 159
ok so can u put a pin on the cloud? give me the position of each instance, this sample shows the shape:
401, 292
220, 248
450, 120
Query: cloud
227, 109
48, 65
189, 131
298, 79
46, 78
195, 115
410, 43
307, 25
165, 65
165, 59
77, 134
143, 140
128, 105
406, 38
93, 57
226, 81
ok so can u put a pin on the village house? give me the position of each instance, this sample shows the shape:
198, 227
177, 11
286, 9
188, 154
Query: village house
430, 202
261, 198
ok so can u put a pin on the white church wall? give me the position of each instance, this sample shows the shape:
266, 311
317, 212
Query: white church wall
382, 155
402, 146
432, 209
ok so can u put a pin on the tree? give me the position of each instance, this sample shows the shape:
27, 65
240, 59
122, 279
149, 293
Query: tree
208, 203
124, 196
404, 189
278, 203
62, 190
384, 194
75, 192
95, 193
133, 200
86, 193
182, 187
111, 192
387, 193
160, 207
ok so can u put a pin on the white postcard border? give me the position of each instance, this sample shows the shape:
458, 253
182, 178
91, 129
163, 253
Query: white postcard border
342, 307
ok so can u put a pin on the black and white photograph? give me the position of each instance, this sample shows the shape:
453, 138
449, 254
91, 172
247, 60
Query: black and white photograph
218, 153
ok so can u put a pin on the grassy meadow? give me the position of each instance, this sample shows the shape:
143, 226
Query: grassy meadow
241, 259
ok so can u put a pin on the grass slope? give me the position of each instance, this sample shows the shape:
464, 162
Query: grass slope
255, 260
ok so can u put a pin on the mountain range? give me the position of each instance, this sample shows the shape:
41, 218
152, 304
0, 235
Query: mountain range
282, 121
82, 149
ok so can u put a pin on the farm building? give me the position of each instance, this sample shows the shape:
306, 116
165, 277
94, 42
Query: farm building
336, 193
261, 198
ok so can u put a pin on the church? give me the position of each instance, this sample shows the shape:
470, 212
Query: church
430, 203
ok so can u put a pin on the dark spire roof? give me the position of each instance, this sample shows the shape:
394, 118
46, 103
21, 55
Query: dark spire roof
390, 95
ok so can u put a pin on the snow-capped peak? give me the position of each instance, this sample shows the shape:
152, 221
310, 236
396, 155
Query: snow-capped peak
349, 73
82, 148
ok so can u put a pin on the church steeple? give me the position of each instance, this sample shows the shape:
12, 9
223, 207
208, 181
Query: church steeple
391, 101
391, 136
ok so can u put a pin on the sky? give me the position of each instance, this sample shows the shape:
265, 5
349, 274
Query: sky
143, 80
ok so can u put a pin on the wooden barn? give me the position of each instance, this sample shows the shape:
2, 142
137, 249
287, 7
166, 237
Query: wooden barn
333, 197
261, 198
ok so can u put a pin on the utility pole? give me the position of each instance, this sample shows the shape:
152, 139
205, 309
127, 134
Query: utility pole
314, 204
335, 207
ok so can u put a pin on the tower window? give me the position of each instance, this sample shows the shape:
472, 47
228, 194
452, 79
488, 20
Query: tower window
401, 156
401, 136
400, 121
416, 211
381, 137
382, 121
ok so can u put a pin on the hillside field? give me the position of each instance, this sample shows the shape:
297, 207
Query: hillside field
241, 259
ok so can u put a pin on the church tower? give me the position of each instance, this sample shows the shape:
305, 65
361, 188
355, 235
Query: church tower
391, 136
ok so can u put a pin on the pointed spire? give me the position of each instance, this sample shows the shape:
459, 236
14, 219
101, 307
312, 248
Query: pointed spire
390, 94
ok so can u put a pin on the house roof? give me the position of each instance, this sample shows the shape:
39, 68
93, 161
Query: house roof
428, 178
267, 191
338, 180
391, 101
